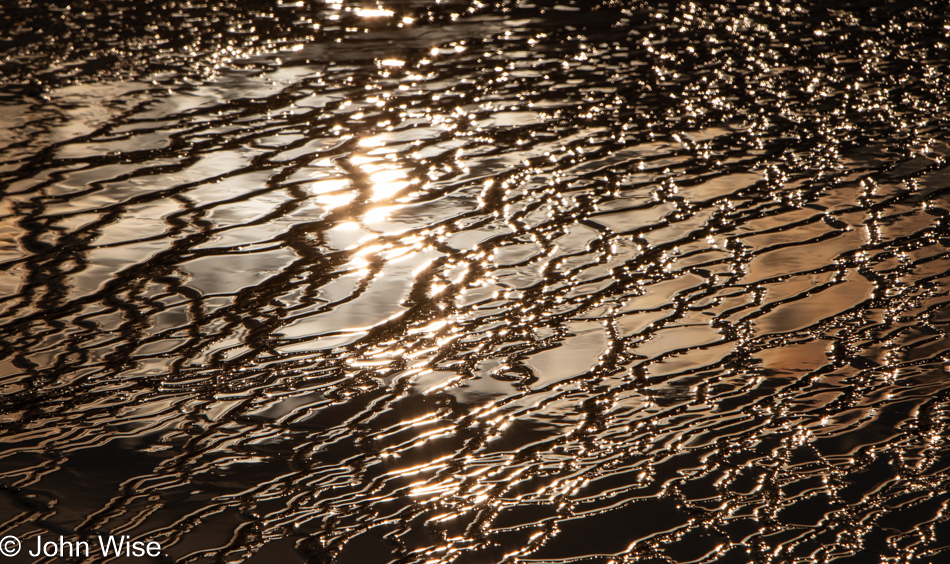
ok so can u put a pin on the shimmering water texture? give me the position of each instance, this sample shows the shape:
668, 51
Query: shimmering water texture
478, 283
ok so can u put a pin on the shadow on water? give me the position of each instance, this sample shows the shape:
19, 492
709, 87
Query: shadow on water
465, 282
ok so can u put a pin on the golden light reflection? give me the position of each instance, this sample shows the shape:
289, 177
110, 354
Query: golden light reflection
370, 250
347, 226
374, 13
330, 185
359, 266
377, 215
335, 200
372, 141
329, 193
360, 160
387, 182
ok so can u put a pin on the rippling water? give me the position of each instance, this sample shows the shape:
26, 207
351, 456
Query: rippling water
462, 282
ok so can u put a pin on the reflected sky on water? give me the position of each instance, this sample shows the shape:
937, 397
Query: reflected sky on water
477, 282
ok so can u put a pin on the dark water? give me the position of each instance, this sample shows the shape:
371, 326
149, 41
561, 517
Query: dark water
477, 282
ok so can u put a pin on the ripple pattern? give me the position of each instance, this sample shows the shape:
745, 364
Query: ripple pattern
452, 282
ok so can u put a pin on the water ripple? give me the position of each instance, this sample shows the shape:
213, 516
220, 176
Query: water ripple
466, 282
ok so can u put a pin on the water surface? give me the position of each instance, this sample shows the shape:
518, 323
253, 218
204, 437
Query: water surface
477, 282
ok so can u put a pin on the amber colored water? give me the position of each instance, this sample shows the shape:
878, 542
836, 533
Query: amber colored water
477, 282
